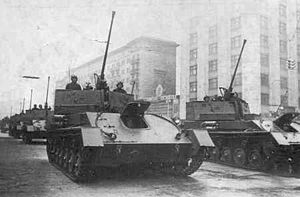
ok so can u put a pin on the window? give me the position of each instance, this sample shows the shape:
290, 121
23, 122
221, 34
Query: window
193, 70
264, 99
298, 50
212, 32
234, 59
264, 41
193, 38
212, 50
282, 10
193, 87
283, 65
193, 55
284, 100
298, 67
235, 42
299, 85
213, 83
213, 65
264, 78
282, 28
283, 83
235, 23
238, 79
264, 60
282, 46
298, 32
264, 22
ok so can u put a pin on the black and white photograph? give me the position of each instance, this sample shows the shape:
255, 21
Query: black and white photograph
146, 98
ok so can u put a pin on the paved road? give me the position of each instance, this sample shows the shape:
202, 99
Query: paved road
25, 171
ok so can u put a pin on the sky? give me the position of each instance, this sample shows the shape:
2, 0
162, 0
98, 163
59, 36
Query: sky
45, 37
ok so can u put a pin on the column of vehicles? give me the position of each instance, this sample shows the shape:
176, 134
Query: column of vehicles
31, 124
94, 130
243, 139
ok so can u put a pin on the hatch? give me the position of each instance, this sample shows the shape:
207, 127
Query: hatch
136, 108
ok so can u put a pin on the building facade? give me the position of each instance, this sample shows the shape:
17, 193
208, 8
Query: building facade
269, 72
148, 63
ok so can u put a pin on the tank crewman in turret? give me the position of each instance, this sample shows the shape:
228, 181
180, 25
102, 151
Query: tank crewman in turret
40, 106
120, 88
73, 85
35, 107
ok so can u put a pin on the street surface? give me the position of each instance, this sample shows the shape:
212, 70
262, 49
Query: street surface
25, 171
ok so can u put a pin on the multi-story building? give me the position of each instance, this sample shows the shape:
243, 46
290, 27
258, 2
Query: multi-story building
148, 63
269, 72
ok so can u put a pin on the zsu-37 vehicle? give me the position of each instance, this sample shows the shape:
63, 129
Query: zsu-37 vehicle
94, 130
34, 124
35, 119
242, 141
15, 125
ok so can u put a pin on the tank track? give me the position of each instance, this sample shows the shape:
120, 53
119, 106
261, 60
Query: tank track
266, 157
68, 155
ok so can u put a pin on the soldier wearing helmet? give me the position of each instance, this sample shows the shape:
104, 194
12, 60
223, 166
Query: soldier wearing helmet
73, 85
120, 88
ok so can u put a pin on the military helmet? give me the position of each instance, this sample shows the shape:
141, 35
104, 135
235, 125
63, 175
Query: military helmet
74, 76
120, 83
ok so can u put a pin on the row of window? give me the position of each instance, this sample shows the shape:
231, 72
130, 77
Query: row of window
212, 85
116, 72
134, 59
265, 99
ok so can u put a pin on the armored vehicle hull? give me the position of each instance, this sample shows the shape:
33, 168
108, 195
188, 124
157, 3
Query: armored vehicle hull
272, 146
120, 135
34, 125
15, 126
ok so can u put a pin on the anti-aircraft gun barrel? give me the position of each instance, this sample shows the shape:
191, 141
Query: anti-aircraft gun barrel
236, 67
107, 45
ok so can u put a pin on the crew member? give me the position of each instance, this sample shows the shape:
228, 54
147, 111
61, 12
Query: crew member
73, 85
120, 88
35, 107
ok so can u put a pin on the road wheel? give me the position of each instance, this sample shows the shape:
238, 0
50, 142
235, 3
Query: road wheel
78, 165
26, 138
50, 150
226, 155
71, 162
56, 153
190, 166
66, 158
255, 160
214, 154
61, 156
239, 157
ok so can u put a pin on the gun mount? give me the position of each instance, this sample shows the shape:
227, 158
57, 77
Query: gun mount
101, 83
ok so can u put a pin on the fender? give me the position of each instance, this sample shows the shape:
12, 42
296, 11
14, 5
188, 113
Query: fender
279, 138
199, 138
92, 137
202, 137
